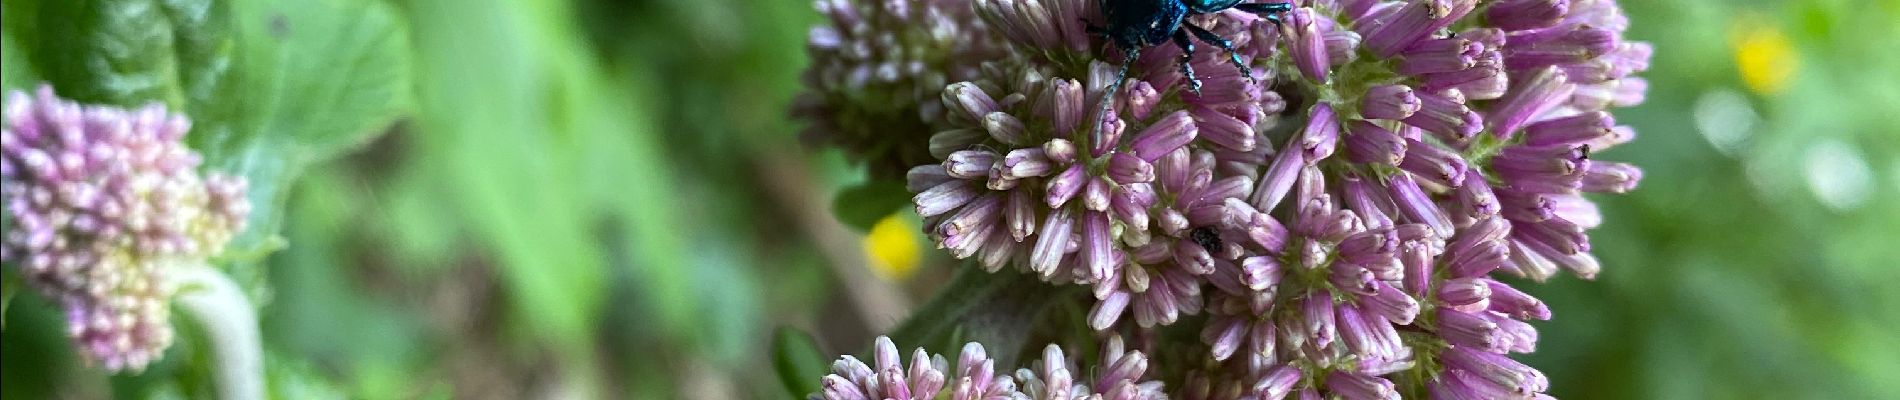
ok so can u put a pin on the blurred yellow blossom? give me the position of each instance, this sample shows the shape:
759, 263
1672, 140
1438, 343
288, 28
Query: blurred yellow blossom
892, 248
1763, 55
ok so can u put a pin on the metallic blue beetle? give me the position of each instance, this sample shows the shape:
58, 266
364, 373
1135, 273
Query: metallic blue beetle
1134, 25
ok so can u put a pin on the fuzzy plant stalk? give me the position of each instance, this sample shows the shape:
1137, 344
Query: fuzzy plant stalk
229, 322
109, 218
1349, 213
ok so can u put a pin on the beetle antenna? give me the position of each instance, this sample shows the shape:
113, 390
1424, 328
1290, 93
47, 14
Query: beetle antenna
1108, 98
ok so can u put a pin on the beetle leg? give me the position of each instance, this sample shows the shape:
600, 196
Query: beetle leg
1224, 44
1187, 57
1271, 11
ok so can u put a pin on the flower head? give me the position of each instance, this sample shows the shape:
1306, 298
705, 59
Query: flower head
1427, 144
100, 203
1120, 375
877, 68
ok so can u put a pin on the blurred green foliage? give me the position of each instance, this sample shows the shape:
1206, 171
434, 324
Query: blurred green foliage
523, 199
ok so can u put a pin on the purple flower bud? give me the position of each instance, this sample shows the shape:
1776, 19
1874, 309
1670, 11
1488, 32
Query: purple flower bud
1466, 329
1352, 279
1418, 264
1142, 99
1278, 179
1555, 233
1495, 369
1611, 177
1130, 205
1543, 89
1342, 46
1019, 213
1062, 187
1416, 205
1307, 45
1519, 337
1463, 291
1367, 143
1278, 381
1517, 15
1260, 273
1026, 162
1171, 132
969, 164
1440, 56
1053, 243
1475, 200
1193, 258
1059, 151
1126, 169
1321, 134
1484, 80
1354, 386
1531, 49
924, 177
1224, 130
1318, 308
1097, 252
1369, 247
1393, 304
1095, 196
1368, 201
1108, 135
1108, 310
1514, 303
967, 101
950, 141
1392, 102
1434, 164
1446, 115
972, 216
1354, 332
1069, 107
1569, 131
1004, 127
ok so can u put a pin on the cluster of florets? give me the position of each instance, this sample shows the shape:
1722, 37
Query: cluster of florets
1427, 145
877, 67
100, 203
1120, 374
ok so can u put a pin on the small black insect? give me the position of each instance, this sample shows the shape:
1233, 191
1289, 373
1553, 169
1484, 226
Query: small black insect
1207, 238
1137, 24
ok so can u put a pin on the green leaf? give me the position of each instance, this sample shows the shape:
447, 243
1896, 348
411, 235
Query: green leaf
9, 286
799, 364
271, 86
103, 51
313, 79
863, 205
16, 72
498, 128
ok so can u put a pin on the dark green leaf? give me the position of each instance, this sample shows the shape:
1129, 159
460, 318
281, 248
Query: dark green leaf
312, 79
16, 72
863, 205
9, 286
104, 51
799, 363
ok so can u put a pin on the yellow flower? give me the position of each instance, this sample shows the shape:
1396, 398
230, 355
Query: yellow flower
1763, 54
892, 248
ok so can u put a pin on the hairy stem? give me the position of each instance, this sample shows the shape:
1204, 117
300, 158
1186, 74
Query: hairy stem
230, 325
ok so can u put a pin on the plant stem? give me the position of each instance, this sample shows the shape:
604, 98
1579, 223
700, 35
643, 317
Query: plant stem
230, 325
